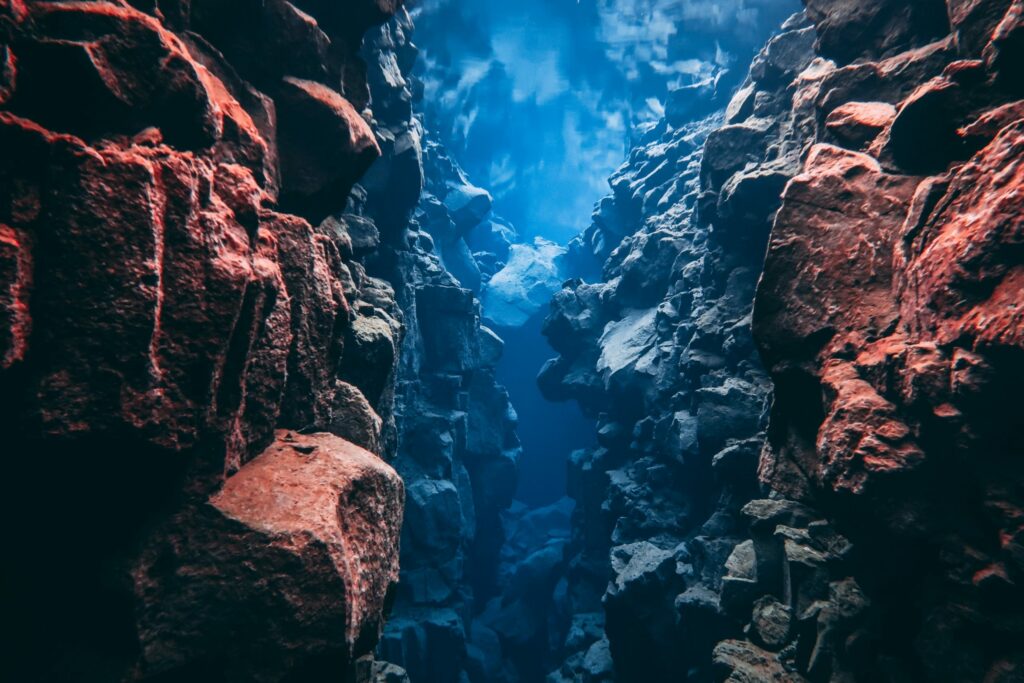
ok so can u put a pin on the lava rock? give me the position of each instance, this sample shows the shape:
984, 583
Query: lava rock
324, 145
857, 124
276, 519
849, 30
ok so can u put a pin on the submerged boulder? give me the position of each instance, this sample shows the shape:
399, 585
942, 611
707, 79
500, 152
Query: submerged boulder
313, 515
517, 292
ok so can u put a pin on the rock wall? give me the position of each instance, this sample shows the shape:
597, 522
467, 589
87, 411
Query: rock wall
887, 315
196, 376
880, 536
659, 350
454, 428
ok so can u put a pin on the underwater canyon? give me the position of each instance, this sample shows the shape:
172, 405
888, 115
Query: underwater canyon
459, 341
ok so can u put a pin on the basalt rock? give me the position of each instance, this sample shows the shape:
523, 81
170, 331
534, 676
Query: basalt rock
168, 298
452, 426
887, 317
848, 30
314, 515
660, 352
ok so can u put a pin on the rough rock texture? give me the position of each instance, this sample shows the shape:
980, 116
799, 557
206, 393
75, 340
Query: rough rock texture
517, 292
887, 159
175, 283
313, 516
888, 317
660, 351
454, 429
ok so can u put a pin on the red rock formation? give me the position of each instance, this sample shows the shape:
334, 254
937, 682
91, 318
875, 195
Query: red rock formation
167, 300
890, 316
300, 542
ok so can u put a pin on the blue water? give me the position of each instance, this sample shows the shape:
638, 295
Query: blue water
549, 432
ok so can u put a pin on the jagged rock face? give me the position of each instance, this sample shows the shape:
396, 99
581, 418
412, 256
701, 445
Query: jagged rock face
660, 352
458, 454
276, 522
514, 294
453, 426
175, 287
888, 316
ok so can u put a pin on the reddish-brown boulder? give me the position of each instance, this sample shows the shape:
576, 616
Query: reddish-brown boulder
924, 137
283, 571
101, 68
990, 123
325, 146
829, 264
960, 269
888, 80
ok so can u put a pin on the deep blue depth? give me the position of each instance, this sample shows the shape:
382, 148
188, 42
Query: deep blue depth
549, 432
537, 100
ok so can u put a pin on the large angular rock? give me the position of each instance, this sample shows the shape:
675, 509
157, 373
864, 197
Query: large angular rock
640, 623
857, 124
530, 277
851, 29
354, 419
797, 311
467, 204
314, 516
945, 289
325, 146
103, 68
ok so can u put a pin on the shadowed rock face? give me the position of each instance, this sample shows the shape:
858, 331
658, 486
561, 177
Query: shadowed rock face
659, 350
171, 294
452, 428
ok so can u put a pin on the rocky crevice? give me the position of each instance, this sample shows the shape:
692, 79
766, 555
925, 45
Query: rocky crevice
454, 428
238, 301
